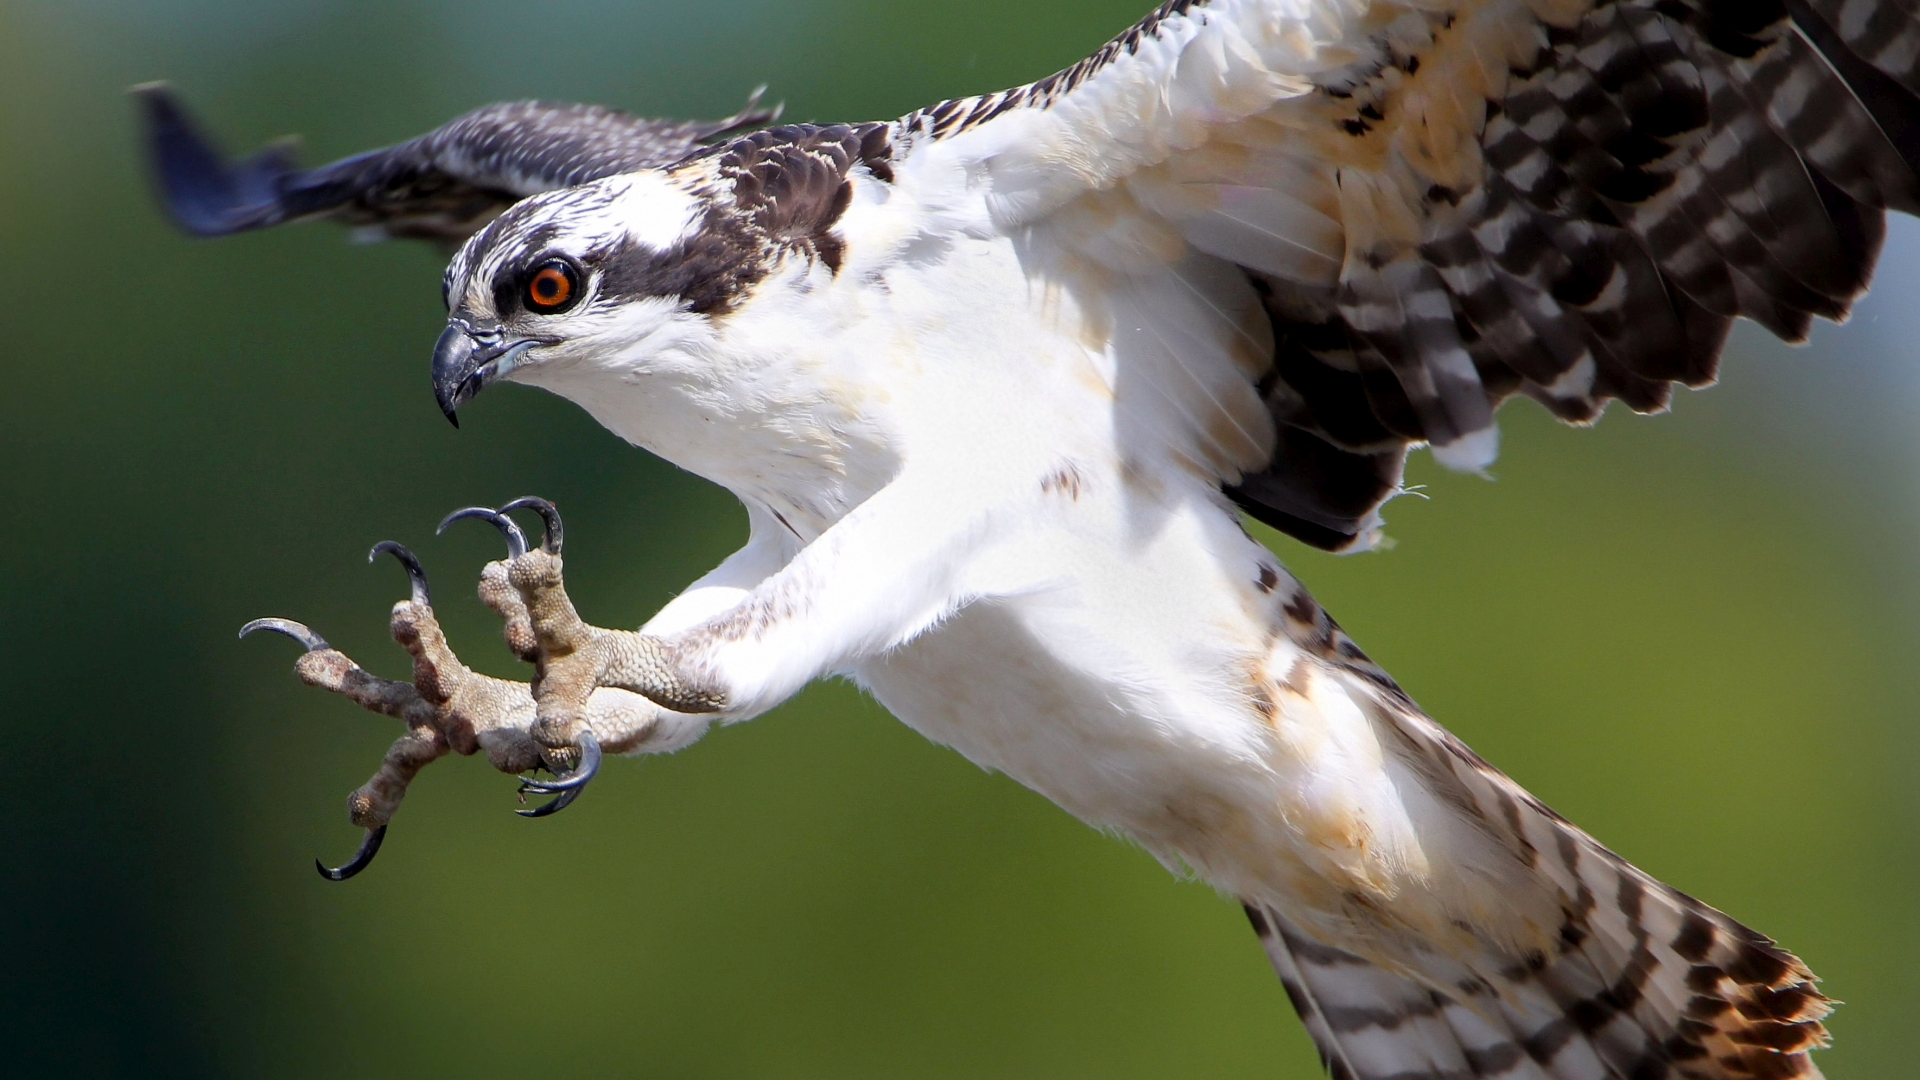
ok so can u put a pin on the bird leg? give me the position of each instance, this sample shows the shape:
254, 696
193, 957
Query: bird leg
575, 663
447, 706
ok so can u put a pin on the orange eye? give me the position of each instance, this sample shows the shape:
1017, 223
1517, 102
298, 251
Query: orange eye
552, 287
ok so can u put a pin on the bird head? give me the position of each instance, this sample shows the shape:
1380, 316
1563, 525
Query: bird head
634, 271
609, 274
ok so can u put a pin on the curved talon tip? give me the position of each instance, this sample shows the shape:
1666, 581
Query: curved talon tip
577, 777
369, 847
568, 787
416, 574
298, 631
554, 535
516, 540
565, 800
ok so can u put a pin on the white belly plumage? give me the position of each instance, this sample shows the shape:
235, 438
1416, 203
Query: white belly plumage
1174, 700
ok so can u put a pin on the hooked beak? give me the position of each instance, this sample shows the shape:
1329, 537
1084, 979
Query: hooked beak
463, 366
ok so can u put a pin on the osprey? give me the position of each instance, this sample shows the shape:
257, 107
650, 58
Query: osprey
995, 380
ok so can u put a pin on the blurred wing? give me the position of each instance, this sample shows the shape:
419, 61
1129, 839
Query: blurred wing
1443, 203
444, 185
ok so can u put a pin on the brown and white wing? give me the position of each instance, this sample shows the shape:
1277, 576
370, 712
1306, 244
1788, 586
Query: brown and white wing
444, 185
1443, 203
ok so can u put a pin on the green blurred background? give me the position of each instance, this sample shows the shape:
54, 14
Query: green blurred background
1695, 635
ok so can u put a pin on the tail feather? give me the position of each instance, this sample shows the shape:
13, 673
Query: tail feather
1371, 1024
1644, 982
1561, 1022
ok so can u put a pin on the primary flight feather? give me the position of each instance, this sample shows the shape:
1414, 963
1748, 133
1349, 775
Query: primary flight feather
991, 380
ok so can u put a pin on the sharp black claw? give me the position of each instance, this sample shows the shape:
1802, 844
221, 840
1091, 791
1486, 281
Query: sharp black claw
416, 574
299, 632
568, 787
555, 534
565, 800
369, 847
516, 540
577, 777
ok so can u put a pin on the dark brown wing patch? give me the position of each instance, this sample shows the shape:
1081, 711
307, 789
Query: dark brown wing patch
774, 194
1655, 170
793, 182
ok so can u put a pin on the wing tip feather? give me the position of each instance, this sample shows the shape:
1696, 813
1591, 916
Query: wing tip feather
198, 188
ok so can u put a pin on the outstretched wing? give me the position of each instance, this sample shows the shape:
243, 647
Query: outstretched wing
1443, 203
444, 185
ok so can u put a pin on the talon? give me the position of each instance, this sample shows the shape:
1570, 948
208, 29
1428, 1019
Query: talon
554, 535
565, 800
569, 787
416, 574
299, 632
369, 847
575, 778
516, 540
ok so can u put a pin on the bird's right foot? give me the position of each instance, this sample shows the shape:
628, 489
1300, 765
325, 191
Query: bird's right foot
446, 706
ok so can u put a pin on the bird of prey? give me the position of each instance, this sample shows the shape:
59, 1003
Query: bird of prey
996, 380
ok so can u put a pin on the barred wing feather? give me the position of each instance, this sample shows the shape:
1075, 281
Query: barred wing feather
1444, 203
